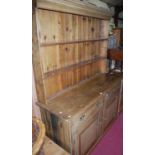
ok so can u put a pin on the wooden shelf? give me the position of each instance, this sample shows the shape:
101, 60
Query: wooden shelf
67, 42
72, 66
70, 42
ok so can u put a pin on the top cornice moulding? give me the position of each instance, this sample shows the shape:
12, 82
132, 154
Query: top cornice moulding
75, 7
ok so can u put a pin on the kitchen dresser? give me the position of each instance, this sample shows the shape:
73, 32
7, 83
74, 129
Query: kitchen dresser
76, 95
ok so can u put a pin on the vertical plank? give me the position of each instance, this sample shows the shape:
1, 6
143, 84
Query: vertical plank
65, 49
74, 76
50, 58
81, 73
103, 66
79, 52
44, 25
80, 28
74, 27
76, 53
90, 69
89, 45
101, 29
86, 71
52, 85
106, 28
78, 74
98, 28
63, 80
93, 50
61, 27
73, 53
70, 78
61, 56
93, 68
68, 27
85, 51
66, 54
103, 48
98, 48
90, 27
85, 28
97, 67
93, 28
58, 27
38, 75
70, 54
54, 26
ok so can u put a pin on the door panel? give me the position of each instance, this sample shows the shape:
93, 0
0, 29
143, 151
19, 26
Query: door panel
88, 137
110, 110
110, 104
87, 128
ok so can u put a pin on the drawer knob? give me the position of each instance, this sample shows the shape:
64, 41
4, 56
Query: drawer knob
82, 117
107, 95
101, 93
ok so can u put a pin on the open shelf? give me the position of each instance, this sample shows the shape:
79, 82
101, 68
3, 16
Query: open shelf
70, 42
52, 72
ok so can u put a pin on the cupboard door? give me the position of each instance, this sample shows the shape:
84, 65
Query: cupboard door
87, 128
111, 105
111, 111
88, 137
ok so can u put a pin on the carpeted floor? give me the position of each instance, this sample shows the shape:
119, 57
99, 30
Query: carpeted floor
112, 141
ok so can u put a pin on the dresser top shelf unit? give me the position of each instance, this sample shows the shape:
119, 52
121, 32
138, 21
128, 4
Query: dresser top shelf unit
81, 96
69, 45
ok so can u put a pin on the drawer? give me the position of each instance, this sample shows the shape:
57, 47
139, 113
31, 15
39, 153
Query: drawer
88, 114
112, 96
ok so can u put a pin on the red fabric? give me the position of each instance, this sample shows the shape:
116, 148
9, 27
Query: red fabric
112, 142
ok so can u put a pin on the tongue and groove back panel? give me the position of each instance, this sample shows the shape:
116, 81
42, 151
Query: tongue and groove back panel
72, 48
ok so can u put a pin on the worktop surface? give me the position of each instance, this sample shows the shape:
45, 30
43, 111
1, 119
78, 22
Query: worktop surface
81, 96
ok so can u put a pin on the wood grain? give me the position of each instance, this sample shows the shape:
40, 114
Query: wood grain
69, 55
62, 79
83, 93
59, 56
51, 148
38, 75
67, 28
84, 111
74, 7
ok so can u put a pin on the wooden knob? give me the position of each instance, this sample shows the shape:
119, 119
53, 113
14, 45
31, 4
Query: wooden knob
107, 95
101, 93
82, 117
